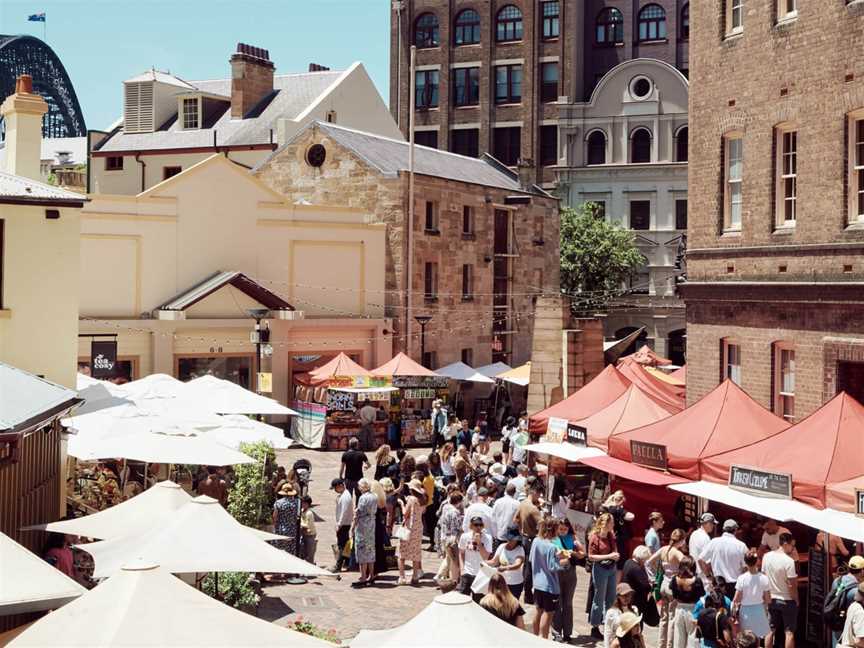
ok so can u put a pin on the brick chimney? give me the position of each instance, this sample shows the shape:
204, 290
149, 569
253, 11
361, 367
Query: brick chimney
251, 78
525, 169
23, 114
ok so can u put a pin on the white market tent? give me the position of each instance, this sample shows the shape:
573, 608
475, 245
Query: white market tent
144, 605
29, 584
452, 620
224, 397
199, 537
238, 429
492, 370
131, 517
461, 371
566, 451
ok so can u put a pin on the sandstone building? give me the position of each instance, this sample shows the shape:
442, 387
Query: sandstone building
483, 247
776, 229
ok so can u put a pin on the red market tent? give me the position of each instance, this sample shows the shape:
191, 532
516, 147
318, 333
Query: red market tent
401, 365
634, 408
606, 386
341, 365
646, 356
658, 389
680, 374
826, 448
725, 419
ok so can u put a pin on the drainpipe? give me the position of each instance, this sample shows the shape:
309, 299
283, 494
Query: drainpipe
409, 283
143, 171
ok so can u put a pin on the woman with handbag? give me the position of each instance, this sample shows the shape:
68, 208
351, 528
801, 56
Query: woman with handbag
603, 554
665, 565
410, 533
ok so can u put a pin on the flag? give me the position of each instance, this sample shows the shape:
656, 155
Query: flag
39, 17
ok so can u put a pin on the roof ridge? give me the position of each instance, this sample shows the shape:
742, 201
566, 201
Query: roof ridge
275, 76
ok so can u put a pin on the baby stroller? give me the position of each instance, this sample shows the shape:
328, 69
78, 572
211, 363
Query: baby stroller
303, 469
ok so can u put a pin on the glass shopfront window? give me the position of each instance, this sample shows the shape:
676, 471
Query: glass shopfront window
234, 368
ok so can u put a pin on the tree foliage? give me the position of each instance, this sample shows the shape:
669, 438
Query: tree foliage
234, 588
248, 499
596, 256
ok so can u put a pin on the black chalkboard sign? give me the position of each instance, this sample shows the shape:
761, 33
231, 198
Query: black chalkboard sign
577, 435
760, 482
817, 588
859, 501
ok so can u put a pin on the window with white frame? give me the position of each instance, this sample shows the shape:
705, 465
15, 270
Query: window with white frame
191, 116
732, 361
784, 380
734, 171
787, 176
856, 168
734, 16
787, 9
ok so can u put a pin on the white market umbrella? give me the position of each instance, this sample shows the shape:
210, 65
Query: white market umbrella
144, 605
163, 416
28, 583
152, 387
461, 371
199, 537
492, 370
451, 621
239, 429
225, 397
132, 517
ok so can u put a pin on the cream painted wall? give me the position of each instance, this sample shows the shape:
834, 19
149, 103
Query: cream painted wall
39, 320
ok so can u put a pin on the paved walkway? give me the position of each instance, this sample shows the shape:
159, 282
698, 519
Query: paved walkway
331, 603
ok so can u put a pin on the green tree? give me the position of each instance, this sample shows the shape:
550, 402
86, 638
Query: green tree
596, 256
249, 499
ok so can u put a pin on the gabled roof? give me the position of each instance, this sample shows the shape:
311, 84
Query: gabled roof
390, 157
341, 365
26, 399
219, 280
18, 189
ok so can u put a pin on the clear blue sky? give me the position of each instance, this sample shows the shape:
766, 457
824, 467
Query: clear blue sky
103, 42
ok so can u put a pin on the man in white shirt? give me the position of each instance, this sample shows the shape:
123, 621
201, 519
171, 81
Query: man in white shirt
344, 519
503, 512
771, 538
724, 557
481, 509
475, 547
779, 567
520, 480
699, 538
853, 630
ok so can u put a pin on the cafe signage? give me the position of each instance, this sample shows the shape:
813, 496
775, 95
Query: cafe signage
556, 429
103, 358
577, 435
859, 501
650, 455
760, 482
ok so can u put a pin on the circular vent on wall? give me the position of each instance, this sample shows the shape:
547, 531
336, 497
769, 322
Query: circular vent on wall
640, 87
316, 155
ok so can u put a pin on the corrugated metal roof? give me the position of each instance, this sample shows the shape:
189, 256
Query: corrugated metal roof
51, 146
24, 396
20, 188
221, 279
293, 94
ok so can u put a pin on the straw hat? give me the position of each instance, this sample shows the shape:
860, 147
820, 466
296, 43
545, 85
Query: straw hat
626, 622
417, 486
387, 484
287, 490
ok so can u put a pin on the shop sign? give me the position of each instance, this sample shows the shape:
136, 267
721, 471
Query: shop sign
308, 410
556, 429
817, 588
340, 401
760, 482
265, 382
419, 394
859, 501
577, 435
650, 455
103, 358
358, 382
428, 382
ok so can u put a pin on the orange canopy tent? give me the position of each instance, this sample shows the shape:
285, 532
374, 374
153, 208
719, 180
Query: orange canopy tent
659, 374
341, 365
646, 356
822, 452
606, 386
680, 374
401, 365
634, 408
724, 419
660, 390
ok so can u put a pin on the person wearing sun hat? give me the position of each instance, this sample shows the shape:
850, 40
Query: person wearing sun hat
286, 519
629, 632
410, 549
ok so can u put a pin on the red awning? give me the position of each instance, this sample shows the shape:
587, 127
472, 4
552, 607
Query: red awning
658, 389
634, 408
632, 472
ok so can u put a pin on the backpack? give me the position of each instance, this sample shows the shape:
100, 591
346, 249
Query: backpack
836, 604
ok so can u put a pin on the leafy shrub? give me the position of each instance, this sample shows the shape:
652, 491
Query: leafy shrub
312, 630
248, 499
234, 589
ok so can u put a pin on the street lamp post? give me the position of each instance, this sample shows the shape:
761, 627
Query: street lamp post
423, 320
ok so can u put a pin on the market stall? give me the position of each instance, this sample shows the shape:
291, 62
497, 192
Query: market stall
661, 390
465, 382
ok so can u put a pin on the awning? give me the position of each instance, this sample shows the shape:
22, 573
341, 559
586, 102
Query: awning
461, 371
566, 451
518, 376
630, 471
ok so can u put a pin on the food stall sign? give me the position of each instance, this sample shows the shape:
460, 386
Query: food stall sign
760, 482
419, 394
556, 429
859, 502
428, 382
577, 435
650, 455
358, 382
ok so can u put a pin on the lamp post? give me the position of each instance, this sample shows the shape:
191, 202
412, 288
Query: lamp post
423, 320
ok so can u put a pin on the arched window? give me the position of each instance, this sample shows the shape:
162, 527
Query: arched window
426, 31
685, 22
467, 28
508, 26
640, 146
597, 147
681, 142
609, 27
652, 23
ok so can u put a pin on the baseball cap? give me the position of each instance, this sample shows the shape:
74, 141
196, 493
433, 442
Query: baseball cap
622, 589
856, 562
336, 482
512, 534
477, 520
707, 517
730, 525
482, 491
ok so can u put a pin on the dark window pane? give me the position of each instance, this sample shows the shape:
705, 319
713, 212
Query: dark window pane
509, 24
426, 31
426, 89
609, 27
507, 145
681, 145
652, 23
681, 214
640, 146
640, 214
551, 22
465, 141
426, 138
466, 86
548, 145
597, 148
549, 87
467, 28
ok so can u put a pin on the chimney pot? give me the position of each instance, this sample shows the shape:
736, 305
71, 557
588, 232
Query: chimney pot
24, 84
251, 78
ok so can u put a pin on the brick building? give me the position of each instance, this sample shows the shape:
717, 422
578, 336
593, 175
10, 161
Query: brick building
776, 228
477, 231
489, 72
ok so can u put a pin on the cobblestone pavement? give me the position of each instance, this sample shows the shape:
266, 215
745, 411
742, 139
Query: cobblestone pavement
331, 603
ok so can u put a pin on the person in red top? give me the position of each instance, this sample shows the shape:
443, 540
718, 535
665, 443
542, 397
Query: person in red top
58, 554
603, 554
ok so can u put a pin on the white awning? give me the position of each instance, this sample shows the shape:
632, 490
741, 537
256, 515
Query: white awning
566, 451
461, 371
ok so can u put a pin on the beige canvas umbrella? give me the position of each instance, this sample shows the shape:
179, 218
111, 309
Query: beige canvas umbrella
144, 605
28, 583
199, 537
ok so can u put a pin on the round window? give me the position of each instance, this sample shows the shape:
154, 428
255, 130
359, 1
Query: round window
640, 87
316, 155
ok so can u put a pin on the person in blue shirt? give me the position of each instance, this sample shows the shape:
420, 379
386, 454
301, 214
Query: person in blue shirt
546, 560
652, 535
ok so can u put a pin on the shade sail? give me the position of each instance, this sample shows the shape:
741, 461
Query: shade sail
825, 448
451, 620
131, 517
492, 370
144, 605
631, 471
634, 408
659, 374
239, 429
401, 365
198, 537
724, 419
608, 385
461, 371
661, 390
28, 583
518, 376
225, 397
566, 451
341, 365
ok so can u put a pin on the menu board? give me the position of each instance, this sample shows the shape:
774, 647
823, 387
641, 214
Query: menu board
760, 482
651, 455
556, 429
340, 401
817, 587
